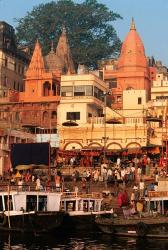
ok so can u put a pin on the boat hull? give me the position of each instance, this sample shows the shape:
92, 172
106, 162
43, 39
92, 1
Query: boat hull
32, 222
79, 222
142, 227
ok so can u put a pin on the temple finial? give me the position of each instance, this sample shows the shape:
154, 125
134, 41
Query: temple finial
63, 29
132, 24
52, 46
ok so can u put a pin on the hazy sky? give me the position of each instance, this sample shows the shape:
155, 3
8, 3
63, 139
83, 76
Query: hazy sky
151, 18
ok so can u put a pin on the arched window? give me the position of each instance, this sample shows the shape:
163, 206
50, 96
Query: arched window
17, 116
46, 89
5, 81
45, 116
53, 115
54, 89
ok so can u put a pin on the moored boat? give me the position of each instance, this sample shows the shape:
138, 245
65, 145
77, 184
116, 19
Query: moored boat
81, 209
29, 210
134, 226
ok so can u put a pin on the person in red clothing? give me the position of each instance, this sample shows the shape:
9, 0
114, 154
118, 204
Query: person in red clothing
123, 200
58, 182
120, 199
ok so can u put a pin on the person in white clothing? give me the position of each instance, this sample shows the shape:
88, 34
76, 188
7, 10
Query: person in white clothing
118, 162
38, 184
141, 188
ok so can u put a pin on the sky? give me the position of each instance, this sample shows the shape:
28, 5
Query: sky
150, 16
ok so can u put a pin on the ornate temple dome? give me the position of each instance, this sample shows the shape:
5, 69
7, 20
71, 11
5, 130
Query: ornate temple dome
132, 57
53, 62
60, 59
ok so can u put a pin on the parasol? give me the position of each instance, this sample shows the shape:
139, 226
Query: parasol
18, 175
23, 167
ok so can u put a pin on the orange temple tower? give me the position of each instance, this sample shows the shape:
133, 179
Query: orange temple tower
132, 70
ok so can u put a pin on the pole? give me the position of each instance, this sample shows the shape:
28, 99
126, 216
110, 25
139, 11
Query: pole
49, 162
166, 136
104, 152
8, 205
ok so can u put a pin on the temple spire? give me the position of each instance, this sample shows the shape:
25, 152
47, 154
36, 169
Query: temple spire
36, 66
132, 24
63, 52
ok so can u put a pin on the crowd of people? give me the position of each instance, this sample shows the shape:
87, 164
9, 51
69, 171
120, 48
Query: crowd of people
121, 171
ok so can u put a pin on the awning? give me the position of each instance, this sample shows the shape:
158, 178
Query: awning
91, 151
114, 151
23, 167
152, 149
153, 119
132, 151
68, 152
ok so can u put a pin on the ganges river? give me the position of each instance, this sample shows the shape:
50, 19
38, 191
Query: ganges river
76, 241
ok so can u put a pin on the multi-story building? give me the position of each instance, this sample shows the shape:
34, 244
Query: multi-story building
13, 61
158, 109
34, 110
84, 102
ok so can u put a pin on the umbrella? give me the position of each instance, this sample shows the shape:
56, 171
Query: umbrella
18, 175
40, 166
23, 167
69, 124
113, 121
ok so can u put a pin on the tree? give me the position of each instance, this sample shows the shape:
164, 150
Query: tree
89, 28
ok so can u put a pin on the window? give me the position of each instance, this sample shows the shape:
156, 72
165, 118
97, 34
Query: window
46, 88
89, 90
5, 81
67, 91
73, 116
54, 88
45, 116
8, 202
31, 202
6, 62
113, 83
17, 116
53, 115
1, 204
98, 94
79, 90
96, 91
139, 100
119, 99
42, 205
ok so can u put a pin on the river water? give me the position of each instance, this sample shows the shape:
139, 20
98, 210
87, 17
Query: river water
76, 241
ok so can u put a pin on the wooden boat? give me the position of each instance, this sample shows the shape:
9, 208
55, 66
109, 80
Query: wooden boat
29, 210
81, 209
134, 226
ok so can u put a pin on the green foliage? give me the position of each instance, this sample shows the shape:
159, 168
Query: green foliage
89, 29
